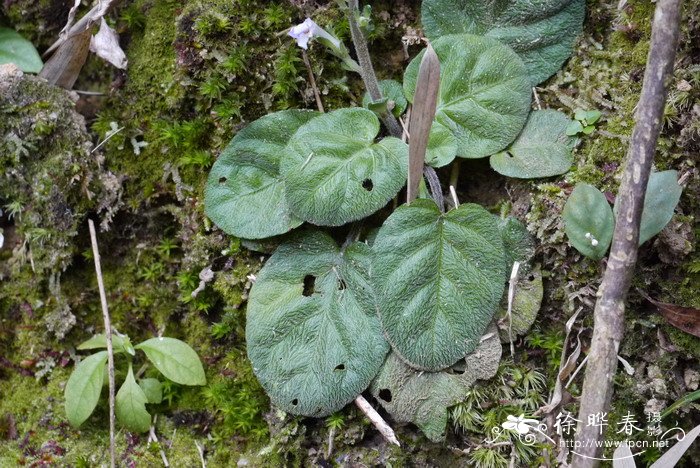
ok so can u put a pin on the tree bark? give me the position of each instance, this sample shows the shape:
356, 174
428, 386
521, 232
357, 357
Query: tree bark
610, 307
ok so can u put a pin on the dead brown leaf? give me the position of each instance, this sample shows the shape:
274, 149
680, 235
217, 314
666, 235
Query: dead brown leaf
683, 318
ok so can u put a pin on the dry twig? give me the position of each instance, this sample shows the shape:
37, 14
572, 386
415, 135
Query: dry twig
384, 429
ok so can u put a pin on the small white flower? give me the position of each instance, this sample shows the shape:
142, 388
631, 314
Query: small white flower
2, 240
308, 29
590, 237
521, 424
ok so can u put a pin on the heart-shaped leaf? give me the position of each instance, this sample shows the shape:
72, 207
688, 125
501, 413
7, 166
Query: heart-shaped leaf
543, 148
312, 331
589, 221
336, 173
438, 280
245, 192
484, 92
542, 33
175, 360
16, 49
663, 194
424, 397
391, 91
130, 405
83, 388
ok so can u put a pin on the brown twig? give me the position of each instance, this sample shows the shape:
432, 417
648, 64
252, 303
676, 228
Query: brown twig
384, 429
312, 81
610, 307
108, 336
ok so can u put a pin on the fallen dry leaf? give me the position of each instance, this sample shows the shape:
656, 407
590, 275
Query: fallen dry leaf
683, 318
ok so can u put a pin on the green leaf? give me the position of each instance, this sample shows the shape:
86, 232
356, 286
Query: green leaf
484, 95
423, 398
542, 149
527, 301
592, 116
334, 171
588, 129
312, 331
542, 33
438, 280
518, 244
244, 195
120, 343
663, 194
442, 146
16, 49
153, 389
84, 387
130, 405
589, 221
175, 360
391, 91
574, 128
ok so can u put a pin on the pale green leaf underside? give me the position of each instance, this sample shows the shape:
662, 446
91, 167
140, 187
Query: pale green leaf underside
542, 32
541, 150
83, 388
175, 360
245, 193
423, 398
334, 171
484, 96
130, 405
438, 280
663, 194
589, 221
314, 348
16, 49
393, 91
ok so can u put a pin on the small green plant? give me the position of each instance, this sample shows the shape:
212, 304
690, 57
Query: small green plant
16, 49
583, 123
174, 359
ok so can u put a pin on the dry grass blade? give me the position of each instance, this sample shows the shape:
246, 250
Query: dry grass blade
422, 115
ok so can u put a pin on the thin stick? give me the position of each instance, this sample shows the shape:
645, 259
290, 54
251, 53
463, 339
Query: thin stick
511, 297
384, 429
108, 335
312, 80
200, 450
152, 437
366, 68
609, 320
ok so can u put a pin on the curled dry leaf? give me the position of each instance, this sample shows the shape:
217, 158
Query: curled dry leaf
683, 318
106, 45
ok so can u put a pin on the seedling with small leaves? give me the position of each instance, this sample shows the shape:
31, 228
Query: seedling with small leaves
583, 123
174, 359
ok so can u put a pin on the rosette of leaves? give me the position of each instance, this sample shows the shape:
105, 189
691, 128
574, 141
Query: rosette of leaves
542, 33
484, 96
173, 358
312, 330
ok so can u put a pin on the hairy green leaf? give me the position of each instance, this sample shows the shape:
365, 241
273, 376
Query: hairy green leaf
589, 221
336, 173
663, 194
175, 360
542, 33
442, 146
518, 243
484, 92
312, 330
424, 397
543, 148
244, 195
83, 388
153, 389
16, 49
391, 91
438, 280
527, 301
130, 405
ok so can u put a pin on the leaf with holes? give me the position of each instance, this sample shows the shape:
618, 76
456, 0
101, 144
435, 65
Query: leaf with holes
663, 194
484, 95
543, 148
19, 51
438, 280
175, 360
392, 91
424, 397
542, 33
589, 221
83, 388
244, 195
336, 173
130, 405
312, 330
